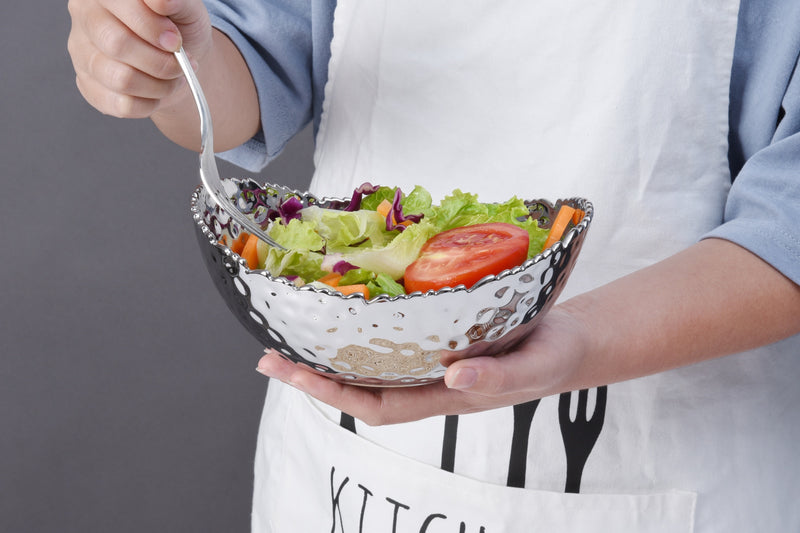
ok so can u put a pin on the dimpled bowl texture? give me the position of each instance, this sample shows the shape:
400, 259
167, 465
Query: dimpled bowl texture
382, 341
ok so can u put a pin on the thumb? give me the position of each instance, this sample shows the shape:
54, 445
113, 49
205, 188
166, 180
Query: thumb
481, 375
505, 375
190, 18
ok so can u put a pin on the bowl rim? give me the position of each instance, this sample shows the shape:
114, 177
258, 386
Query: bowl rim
564, 243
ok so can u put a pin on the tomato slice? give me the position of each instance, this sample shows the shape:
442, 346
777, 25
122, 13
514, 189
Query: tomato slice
465, 255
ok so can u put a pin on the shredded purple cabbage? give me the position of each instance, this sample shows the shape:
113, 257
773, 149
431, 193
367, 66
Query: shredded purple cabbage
396, 214
343, 267
364, 189
290, 209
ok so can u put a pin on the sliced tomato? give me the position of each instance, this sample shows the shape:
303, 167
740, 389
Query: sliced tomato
463, 256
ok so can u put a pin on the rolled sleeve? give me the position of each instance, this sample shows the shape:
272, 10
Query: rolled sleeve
763, 208
276, 42
762, 213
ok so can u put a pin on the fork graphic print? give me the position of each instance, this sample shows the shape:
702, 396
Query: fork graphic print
580, 434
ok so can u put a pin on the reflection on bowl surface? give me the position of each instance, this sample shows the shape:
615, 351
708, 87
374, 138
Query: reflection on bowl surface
382, 341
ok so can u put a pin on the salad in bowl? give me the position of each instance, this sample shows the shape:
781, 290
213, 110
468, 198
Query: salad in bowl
370, 289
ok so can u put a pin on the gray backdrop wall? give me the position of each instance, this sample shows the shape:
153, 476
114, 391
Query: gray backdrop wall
128, 396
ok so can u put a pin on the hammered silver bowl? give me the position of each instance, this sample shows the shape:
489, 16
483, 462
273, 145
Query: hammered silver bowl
384, 342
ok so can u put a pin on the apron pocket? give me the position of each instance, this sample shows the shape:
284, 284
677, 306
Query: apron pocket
331, 480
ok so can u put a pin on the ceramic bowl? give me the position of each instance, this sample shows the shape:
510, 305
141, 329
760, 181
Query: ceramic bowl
383, 341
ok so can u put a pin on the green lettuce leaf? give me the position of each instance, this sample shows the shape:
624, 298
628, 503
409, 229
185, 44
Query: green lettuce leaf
464, 209
384, 284
417, 201
343, 229
377, 283
357, 275
382, 256
297, 235
393, 258
372, 201
305, 264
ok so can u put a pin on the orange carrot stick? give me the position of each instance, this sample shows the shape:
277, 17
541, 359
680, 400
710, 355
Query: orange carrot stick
331, 279
250, 252
238, 244
352, 289
384, 208
562, 220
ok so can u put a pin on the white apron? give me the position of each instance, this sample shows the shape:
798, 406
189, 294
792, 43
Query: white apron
511, 97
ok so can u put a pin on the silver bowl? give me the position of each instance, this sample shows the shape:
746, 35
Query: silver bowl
389, 342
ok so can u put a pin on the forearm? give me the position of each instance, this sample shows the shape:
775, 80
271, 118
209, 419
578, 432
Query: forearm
231, 94
713, 299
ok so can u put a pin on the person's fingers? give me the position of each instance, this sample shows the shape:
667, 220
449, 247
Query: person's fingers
373, 406
492, 376
155, 28
360, 402
190, 16
274, 366
381, 406
117, 70
541, 365
122, 78
112, 103
116, 88
322, 388
110, 36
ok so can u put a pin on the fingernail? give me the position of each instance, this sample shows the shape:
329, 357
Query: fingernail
262, 371
464, 379
262, 365
170, 40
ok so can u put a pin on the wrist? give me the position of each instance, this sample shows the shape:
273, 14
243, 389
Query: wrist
230, 92
577, 359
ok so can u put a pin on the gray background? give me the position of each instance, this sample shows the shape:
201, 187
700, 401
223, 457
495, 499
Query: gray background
128, 396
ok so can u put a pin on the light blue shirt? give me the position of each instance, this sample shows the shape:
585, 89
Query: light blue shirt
286, 44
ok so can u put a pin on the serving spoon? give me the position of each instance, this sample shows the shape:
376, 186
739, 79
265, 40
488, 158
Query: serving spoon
209, 174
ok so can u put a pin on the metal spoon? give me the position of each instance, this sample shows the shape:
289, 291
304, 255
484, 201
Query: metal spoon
209, 174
